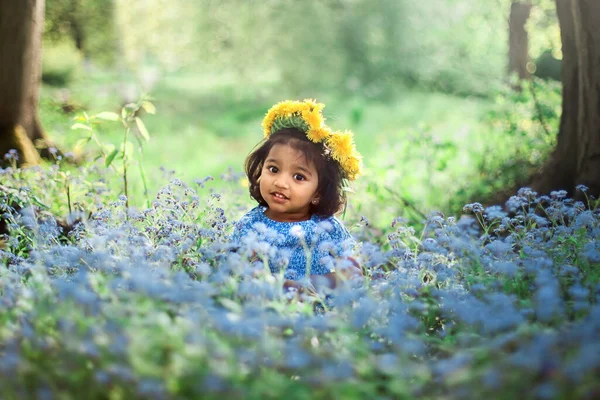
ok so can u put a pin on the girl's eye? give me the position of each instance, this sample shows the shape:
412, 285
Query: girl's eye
272, 169
299, 177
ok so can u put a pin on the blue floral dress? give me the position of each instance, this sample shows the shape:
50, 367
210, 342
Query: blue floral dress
295, 247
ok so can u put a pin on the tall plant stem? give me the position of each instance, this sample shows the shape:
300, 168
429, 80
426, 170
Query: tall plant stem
69, 198
143, 175
125, 137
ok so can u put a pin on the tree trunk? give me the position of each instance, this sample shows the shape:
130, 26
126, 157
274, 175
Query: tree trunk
576, 158
21, 27
518, 46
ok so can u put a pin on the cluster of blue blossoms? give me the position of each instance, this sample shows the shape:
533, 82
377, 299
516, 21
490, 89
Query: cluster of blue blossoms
158, 303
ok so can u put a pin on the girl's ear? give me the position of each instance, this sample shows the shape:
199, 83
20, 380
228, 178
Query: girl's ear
316, 200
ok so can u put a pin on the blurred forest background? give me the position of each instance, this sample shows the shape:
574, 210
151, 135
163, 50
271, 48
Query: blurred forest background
426, 86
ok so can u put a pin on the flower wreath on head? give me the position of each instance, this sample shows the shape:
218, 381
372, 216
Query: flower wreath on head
307, 116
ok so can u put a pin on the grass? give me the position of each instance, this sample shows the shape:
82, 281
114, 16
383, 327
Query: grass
206, 124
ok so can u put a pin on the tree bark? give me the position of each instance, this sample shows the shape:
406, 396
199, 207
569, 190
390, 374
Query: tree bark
576, 158
21, 27
518, 46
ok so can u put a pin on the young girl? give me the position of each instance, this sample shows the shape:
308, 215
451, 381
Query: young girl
297, 176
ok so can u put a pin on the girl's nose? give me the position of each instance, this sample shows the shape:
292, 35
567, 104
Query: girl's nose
281, 182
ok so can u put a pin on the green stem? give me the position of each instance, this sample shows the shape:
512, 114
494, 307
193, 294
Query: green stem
143, 173
125, 137
69, 198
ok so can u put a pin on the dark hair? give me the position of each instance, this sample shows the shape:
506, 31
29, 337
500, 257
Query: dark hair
330, 187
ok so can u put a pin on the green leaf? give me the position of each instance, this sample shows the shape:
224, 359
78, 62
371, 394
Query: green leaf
37, 201
108, 116
142, 129
127, 149
80, 144
149, 107
111, 157
293, 121
108, 147
81, 126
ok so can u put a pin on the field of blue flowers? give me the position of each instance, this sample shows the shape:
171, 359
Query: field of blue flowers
112, 302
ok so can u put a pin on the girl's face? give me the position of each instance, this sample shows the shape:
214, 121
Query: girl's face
288, 184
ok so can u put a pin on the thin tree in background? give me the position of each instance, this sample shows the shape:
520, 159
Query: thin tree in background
518, 49
21, 28
576, 157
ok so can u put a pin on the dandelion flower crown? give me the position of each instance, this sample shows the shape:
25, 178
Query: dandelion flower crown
307, 117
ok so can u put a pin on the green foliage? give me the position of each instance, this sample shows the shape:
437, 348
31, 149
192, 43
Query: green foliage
523, 131
422, 152
61, 63
543, 29
131, 123
89, 25
373, 48
157, 32
545, 48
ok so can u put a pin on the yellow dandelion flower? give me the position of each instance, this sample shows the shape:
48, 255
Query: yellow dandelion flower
317, 135
280, 109
268, 123
353, 166
313, 118
308, 110
341, 145
287, 108
314, 105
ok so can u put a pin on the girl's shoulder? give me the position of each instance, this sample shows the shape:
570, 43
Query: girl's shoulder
255, 212
330, 224
333, 226
246, 224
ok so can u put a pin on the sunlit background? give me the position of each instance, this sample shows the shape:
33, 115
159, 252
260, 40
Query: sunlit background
423, 85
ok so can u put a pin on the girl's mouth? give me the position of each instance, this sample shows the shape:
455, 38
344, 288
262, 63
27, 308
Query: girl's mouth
279, 196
